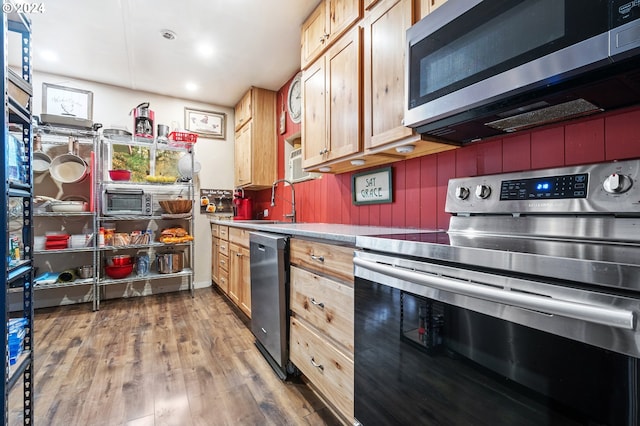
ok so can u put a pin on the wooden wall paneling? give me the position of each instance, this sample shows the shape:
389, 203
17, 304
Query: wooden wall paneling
399, 197
446, 170
547, 148
584, 142
622, 138
516, 153
428, 192
412, 193
489, 157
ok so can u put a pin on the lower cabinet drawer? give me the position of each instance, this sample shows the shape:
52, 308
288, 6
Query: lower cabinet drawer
223, 232
223, 247
330, 370
239, 236
329, 259
326, 304
223, 280
223, 261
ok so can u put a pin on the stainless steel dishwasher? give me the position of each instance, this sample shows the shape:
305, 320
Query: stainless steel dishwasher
270, 299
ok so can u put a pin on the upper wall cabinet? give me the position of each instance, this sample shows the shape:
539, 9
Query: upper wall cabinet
331, 93
243, 111
256, 140
325, 25
384, 71
385, 27
428, 6
352, 115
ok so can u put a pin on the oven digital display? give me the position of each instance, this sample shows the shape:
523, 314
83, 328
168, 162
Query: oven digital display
551, 187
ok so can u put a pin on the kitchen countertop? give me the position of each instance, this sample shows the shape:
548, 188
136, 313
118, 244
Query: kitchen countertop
336, 232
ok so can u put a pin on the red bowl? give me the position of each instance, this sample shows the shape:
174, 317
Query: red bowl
119, 174
118, 272
119, 260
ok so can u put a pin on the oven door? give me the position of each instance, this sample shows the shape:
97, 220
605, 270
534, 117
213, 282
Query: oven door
437, 344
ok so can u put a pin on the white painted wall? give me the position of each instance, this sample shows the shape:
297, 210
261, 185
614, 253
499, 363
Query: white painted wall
111, 107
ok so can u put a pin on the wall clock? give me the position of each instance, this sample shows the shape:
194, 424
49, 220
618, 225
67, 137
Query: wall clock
294, 99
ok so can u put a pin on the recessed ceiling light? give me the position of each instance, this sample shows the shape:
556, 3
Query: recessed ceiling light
168, 34
406, 149
325, 169
49, 55
190, 86
205, 50
358, 162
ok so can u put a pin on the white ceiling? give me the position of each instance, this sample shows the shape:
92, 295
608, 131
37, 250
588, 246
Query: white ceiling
119, 42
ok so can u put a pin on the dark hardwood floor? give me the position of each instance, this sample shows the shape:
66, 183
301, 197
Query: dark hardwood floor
167, 359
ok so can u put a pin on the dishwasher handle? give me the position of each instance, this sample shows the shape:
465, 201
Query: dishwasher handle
608, 316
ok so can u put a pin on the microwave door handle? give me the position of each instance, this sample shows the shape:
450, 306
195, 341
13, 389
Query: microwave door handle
608, 316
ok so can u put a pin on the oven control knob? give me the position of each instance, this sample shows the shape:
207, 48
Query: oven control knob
462, 192
617, 183
483, 191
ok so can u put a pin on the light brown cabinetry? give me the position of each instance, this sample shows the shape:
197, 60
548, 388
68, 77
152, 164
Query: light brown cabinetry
384, 83
243, 111
380, 97
215, 255
326, 24
240, 269
321, 325
428, 6
220, 256
332, 107
384, 71
230, 264
256, 140
240, 277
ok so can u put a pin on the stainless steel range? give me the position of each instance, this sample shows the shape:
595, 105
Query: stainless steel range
523, 312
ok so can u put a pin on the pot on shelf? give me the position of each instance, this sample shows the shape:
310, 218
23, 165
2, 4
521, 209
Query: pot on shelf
170, 262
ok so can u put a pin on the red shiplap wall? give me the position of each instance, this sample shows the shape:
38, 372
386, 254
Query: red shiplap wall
420, 184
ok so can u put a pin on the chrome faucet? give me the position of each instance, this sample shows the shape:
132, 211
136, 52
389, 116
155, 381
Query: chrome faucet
291, 215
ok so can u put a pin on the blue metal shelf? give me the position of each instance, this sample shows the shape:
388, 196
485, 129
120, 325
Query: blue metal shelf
18, 274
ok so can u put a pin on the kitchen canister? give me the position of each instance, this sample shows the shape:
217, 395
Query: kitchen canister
142, 264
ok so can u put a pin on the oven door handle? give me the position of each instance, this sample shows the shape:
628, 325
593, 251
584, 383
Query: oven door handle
608, 316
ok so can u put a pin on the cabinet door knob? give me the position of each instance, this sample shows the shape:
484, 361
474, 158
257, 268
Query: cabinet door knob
318, 304
315, 364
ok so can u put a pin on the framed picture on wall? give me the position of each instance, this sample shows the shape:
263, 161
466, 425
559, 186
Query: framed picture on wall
208, 124
67, 101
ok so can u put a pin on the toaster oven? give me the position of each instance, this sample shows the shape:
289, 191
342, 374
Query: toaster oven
126, 202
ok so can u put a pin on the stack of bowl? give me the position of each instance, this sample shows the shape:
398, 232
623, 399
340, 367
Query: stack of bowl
119, 266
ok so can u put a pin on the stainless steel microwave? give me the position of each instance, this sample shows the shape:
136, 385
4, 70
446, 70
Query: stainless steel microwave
126, 202
479, 68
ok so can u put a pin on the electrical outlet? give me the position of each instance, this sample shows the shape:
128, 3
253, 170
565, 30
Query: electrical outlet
266, 213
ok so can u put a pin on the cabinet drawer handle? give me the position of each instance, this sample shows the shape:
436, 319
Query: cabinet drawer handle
318, 304
239, 254
316, 365
318, 258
